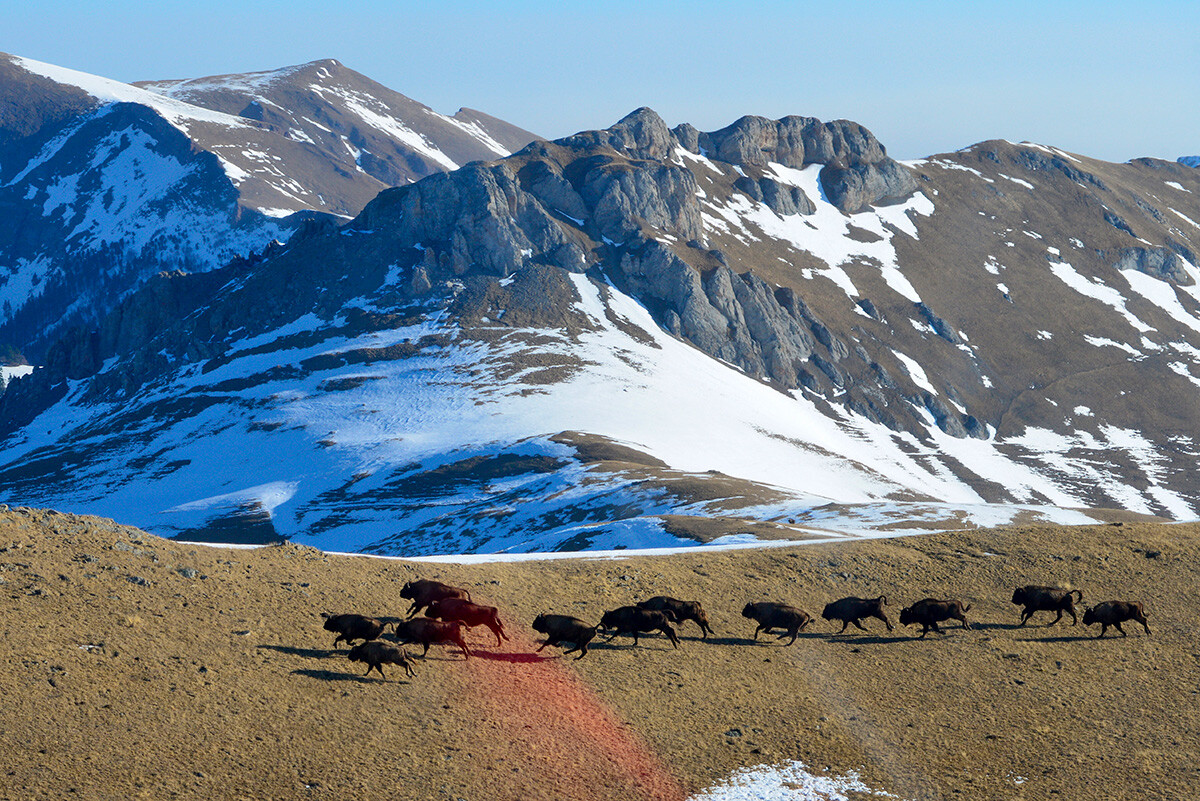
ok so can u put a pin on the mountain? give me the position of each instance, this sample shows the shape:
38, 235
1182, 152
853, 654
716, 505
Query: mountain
643, 336
103, 184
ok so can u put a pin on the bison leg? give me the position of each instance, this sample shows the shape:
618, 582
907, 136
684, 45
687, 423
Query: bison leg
1145, 625
1103, 628
426, 651
1025, 615
858, 624
1052, 622
794, 632
756, 631
671, 636
1118, 625
886, 622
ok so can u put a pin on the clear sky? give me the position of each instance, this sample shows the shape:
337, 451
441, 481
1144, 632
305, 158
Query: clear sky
1105, 79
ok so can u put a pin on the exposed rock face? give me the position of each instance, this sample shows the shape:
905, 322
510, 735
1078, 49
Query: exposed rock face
1161, 263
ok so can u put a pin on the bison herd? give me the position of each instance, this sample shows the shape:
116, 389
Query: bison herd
450, 610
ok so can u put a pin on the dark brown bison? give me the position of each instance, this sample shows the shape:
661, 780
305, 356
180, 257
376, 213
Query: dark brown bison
423, 592
632, 620
678, 611
1114, 613
562, 629
377, 653
469, 614
930, 611
353, 627
853, 610
1046, 599
426, 632
771, 615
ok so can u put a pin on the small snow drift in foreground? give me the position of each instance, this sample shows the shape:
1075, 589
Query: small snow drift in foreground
790, 782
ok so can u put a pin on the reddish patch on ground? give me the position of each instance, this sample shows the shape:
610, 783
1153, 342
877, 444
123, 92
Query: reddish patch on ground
558, 739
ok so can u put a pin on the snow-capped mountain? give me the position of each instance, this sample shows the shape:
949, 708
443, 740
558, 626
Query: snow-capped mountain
649, 336
104, 183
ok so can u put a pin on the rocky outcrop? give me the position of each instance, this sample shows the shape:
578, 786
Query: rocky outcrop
857, 172
1161, 263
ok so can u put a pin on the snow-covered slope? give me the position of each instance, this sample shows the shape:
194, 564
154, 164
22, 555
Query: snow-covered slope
104, 183
641, 337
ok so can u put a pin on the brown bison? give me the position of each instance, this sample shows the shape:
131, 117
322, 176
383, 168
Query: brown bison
353, 627
423, 592
377, 653
1046, 599
562, 629
853, 610
930, 611
426, 632
771, 615
632, 620
678, 611
469, 614
1114, 613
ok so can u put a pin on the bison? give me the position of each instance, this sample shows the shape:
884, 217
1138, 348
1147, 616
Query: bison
423, 592
469, 614
678, 611
353, 627
1114, 613
561, 629
853, 610
424, 631
929, 611
377, 653
771, 615
1046, 599
632, 620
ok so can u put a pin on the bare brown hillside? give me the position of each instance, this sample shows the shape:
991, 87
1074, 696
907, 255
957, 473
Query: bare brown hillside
138, 667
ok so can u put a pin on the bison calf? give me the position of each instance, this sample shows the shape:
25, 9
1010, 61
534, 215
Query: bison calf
426, 632
632, 620
1046, 599
562, 629
1114, 613
853, 610
930, 611
377, 654
353, 627
423, 592
678, 611
771, 615
469, 614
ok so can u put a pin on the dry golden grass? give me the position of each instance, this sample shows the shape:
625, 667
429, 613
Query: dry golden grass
126, 678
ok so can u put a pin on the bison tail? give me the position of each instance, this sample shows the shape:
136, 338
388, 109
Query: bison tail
1077, 592
883, 600
966, 609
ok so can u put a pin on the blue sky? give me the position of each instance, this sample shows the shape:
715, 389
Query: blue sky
1110, 80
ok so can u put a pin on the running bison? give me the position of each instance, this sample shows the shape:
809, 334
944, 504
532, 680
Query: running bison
771, 615
930, 611
377, 653
853, 610
1046, 599
469, 614
1114, 613
426, 632
678, 611
353, 627
563, 629
423, 592
632, 620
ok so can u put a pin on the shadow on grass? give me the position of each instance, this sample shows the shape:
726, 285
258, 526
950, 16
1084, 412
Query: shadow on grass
311, 653
870, 639
516, 659
1066, 638
335, 675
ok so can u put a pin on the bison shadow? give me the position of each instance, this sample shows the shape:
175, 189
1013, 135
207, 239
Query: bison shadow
516, 659
1066, 638
311, 653
333, 675
869, 639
